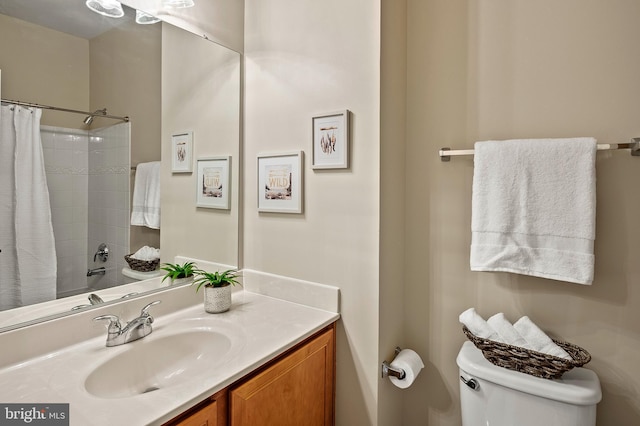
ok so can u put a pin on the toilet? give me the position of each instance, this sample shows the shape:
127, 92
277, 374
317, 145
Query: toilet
496, 396
132, 276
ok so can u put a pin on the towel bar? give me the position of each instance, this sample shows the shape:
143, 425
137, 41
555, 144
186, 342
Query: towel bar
634, 146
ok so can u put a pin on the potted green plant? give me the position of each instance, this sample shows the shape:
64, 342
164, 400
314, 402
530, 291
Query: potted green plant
179, 273
217, 288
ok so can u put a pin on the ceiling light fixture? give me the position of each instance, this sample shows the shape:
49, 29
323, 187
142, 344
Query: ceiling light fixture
178, 4
145, 18
110, 8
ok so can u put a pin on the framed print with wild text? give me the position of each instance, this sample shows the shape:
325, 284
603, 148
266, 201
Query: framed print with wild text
280, 182
213, 184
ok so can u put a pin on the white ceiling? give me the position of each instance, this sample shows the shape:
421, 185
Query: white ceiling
68, 16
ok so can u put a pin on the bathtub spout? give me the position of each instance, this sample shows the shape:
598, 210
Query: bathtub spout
96, 271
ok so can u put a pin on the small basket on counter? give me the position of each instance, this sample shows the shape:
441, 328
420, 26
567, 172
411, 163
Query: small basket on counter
141, 265
528, 361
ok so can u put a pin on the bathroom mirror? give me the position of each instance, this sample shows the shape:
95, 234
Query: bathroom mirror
167, 80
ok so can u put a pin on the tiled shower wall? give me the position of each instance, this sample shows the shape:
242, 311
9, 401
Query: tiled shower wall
108, 221
66, 163
88, 179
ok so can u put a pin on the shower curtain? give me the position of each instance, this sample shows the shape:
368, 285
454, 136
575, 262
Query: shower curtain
27, 246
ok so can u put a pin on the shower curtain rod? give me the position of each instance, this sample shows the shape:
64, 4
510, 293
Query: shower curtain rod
93, 114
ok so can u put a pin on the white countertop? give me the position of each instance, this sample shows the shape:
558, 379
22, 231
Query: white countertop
262, 328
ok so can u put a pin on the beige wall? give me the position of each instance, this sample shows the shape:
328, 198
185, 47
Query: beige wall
125, 78
305, 58
393, 99
44, 66
200, 93
509, 69
221, 21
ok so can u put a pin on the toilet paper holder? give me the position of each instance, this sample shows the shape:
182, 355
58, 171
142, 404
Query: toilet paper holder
388, 370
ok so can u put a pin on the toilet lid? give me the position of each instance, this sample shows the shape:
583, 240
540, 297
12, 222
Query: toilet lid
579, 386
137, 275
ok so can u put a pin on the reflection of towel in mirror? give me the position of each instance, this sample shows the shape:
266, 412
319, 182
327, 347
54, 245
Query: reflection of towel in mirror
146, 253
145, 210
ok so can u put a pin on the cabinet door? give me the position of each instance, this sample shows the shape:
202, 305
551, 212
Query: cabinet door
205, 416
296, 390
212, 412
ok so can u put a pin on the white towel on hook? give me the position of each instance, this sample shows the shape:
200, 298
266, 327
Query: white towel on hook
145, 210
533, 208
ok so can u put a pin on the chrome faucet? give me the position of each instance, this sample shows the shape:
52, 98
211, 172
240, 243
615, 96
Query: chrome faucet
134, 330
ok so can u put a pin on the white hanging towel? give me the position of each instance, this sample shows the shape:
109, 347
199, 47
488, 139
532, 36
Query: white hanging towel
533, 208
145, 210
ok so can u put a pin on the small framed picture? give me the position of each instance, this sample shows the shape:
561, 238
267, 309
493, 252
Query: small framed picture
280, 182
213, 183
330, 140
182, 152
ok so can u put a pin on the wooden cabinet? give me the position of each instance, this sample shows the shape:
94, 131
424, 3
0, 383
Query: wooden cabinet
297, 388
212, 412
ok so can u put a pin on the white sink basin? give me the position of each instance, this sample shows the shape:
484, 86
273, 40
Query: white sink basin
158, 361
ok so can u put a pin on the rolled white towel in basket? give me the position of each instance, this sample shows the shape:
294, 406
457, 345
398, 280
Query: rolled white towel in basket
506, 331
477, 325
537, 339
146, 253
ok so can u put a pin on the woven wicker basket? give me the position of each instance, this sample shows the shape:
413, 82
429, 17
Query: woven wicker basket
527, 361
141, 265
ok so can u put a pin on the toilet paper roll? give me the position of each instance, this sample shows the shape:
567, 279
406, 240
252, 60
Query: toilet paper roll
411, 363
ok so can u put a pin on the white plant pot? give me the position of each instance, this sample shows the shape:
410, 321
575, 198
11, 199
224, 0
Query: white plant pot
217, 299
179, 281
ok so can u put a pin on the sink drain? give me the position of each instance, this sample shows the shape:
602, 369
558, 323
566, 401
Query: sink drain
151, 389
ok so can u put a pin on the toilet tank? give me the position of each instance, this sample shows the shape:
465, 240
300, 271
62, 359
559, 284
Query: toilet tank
503, 397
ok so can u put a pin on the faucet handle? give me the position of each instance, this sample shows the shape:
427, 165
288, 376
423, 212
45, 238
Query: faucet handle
145, 310
128, 295
114, 323
94, 299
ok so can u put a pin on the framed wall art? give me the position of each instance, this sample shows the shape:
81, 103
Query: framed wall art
280, 182
182, 152
213, 183
330, 139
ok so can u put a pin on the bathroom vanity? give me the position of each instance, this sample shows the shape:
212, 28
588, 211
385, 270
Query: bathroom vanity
238, 368
296, 388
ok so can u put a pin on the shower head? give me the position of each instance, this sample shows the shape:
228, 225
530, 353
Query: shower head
89, 118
